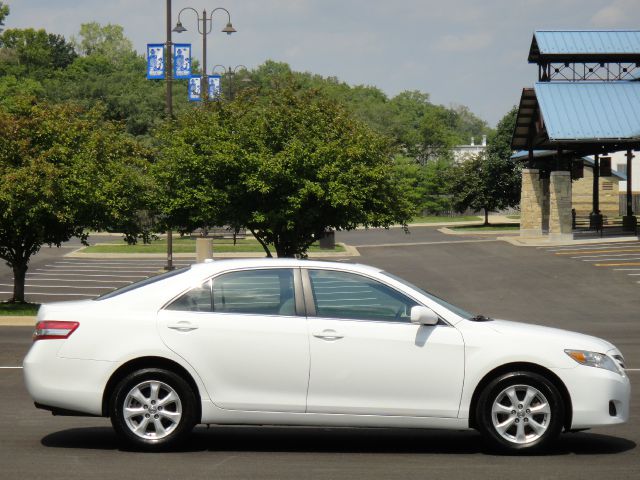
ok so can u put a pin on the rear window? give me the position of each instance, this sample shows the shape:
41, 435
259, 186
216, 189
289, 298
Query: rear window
141, 283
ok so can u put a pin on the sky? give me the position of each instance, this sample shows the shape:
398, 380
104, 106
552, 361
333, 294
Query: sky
460, 52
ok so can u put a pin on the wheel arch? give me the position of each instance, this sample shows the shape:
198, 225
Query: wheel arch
149, 362
522, 367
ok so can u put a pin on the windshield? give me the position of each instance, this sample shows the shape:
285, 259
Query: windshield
141, 283
457, 310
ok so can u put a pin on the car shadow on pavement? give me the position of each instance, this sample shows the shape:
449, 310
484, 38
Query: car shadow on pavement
335, 440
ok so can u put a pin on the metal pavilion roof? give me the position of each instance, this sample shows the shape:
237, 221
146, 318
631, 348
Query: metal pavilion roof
592, 116
612, 45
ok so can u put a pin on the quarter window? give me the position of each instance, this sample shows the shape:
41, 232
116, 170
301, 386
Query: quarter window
347, 295
195, 300
265, 292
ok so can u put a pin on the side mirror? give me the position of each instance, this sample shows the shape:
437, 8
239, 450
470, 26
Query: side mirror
423, 316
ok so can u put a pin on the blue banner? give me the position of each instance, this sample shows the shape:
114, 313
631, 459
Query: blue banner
194, 88
182, 60
214, 87
155, 61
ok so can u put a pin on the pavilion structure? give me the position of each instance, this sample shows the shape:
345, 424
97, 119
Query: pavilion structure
586, 102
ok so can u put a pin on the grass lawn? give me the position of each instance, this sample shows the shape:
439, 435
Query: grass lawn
497, 227
19, 309
188, 245
436, 219
514, 217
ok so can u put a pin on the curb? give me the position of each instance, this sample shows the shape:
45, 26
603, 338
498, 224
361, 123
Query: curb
349, 251
449, 231
537, 242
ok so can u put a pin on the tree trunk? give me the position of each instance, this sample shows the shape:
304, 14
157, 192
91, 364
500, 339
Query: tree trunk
486, 216
261, 242
19, 276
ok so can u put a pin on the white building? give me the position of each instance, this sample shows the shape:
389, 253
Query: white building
463, 152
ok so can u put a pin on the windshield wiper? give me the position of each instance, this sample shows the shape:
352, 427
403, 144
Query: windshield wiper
480, 318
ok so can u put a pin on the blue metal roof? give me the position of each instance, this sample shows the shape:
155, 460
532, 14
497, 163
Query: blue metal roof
578, 111
583, 42
524, 155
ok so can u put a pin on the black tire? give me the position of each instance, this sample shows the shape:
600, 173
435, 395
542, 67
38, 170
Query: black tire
176, 419
520, 436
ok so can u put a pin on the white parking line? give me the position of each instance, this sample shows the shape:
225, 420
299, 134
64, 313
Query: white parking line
612, 258
627, 269
85, 275
593, 247
84, 280
122, 262
607, 255
31, 294
86, 269
80, 275
30, 285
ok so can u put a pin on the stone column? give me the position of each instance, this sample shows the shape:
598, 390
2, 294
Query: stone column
560, 206
531, 203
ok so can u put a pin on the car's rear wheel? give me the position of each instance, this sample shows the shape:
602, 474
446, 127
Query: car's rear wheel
153, 409
520, 411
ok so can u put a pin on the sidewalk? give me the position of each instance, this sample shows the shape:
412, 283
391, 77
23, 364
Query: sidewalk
17, 321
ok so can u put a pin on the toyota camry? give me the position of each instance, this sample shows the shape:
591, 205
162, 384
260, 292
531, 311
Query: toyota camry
298, 342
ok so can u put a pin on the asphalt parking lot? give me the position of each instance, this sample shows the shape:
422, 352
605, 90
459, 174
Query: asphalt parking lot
478, 273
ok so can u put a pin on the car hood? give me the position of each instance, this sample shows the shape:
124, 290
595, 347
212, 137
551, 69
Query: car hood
562, 338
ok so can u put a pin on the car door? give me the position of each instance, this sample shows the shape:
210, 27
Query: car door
247, 338
368, 358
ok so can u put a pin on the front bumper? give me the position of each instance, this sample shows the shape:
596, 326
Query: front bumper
599, 397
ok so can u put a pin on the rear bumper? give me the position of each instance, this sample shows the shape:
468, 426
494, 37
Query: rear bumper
65, 384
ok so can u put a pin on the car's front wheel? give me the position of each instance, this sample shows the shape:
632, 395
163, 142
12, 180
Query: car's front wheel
153, 409
520, 411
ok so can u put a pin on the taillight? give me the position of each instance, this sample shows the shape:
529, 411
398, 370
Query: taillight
54, 329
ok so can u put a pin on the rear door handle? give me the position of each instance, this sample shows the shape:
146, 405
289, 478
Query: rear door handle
328, 335
183, 326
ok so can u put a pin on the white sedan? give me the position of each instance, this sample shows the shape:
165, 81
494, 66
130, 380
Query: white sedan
296, 342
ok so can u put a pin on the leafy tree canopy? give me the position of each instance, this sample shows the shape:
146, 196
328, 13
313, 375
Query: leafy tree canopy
421, 128
105, 40
286, 166
62, 170
489, 181
34, 53
4, 13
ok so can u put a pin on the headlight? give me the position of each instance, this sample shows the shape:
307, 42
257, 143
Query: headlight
594, 359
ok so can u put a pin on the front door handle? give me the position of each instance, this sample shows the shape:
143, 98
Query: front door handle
183, 326
328, 334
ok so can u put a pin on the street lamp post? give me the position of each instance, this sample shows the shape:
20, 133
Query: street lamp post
169, 99
230, 73
205, 25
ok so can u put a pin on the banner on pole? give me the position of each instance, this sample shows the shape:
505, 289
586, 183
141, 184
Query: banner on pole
182, 60
194, 88
155, 61
214, 87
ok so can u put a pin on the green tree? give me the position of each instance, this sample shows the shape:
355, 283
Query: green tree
62, 170
489, 181
108, 41
34, 53
286, 166
4, 13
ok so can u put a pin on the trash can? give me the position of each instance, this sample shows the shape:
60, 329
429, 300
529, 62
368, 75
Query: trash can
328, 239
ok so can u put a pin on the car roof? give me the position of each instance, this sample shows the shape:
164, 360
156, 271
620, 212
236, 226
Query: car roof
212, 267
